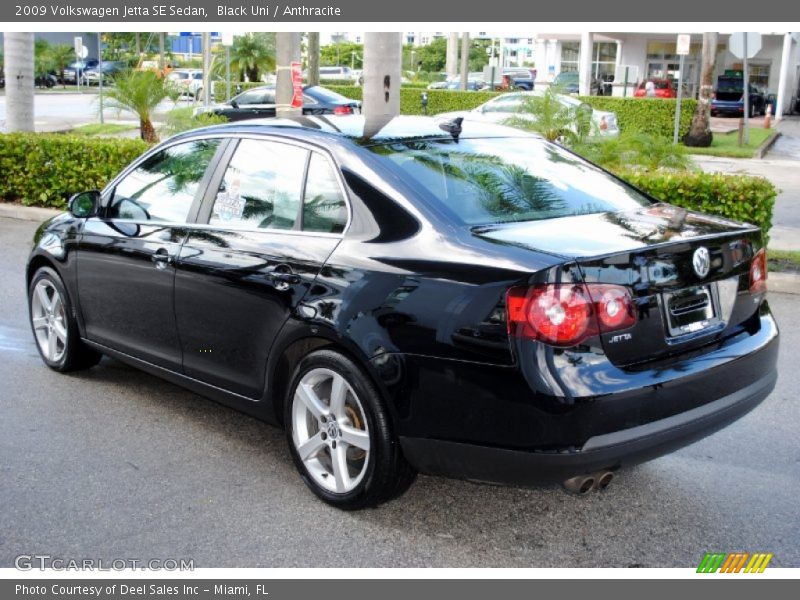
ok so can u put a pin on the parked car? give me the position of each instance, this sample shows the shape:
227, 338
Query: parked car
568, 82
47, 80
75, 69
473, 85
656, 88
188, 81
259, 102
728, 98
109, 70
454, 298
338, 73
501, 108
517, 79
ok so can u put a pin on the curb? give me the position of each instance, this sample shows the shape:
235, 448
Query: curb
766, 145
27, 213
783, 283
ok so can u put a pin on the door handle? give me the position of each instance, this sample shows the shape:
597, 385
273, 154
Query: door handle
161, 258
281, 276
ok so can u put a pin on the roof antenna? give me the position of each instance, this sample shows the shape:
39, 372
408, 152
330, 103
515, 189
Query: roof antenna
453, 127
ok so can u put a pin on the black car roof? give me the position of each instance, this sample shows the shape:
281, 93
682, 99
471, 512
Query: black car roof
364, 132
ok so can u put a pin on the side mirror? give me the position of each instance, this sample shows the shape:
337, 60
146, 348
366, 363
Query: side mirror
85, 204
234, 104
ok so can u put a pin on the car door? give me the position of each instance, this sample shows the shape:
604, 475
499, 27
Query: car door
249, 261
126, 255
252, 104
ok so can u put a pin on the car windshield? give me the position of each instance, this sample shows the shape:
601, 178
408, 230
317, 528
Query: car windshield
499, 180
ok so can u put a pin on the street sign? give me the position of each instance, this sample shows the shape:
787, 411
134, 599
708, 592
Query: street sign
227, 39
84, 52
684, 44
78, 45
737, 44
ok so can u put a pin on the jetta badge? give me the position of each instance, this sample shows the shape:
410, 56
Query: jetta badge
701, 261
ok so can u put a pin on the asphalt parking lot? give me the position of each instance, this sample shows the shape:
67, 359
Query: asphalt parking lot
112, 463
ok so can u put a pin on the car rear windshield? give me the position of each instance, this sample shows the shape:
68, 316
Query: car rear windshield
499, 180
321, 93
728, 84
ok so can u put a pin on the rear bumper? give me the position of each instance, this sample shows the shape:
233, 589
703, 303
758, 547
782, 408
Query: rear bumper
608, 451
671, 408
732, 107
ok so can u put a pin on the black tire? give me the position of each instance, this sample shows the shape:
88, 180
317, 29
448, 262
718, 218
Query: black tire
76, 355
387, 473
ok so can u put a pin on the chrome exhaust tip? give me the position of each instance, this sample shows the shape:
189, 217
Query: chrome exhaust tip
579, 485
604, 479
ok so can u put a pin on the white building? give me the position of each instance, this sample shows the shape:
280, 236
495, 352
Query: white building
776, 67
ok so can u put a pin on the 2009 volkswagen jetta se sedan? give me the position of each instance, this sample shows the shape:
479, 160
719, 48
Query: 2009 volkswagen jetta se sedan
410, 295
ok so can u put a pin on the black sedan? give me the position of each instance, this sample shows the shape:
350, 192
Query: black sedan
260, 102
407, 295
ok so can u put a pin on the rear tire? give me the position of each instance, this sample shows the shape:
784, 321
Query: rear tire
340, 434
54, 327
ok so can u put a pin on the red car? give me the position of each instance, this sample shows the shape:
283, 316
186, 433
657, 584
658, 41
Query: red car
662, 88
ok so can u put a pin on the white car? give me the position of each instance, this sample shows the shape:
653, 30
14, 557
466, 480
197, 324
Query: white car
503, 107
189, 81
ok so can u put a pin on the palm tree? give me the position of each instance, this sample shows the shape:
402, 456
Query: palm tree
19, 59
700, 130
253, 53
60, 56
139, 92
552, 118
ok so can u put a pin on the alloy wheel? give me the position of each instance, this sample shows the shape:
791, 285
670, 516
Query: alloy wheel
330, 431
49, 320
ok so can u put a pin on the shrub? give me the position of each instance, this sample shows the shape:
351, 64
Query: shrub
646, 115
642, 150
738, 197
46, 169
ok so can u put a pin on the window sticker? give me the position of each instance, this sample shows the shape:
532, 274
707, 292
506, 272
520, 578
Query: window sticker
230, 203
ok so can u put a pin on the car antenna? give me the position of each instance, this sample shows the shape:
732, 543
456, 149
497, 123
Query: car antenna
452, 126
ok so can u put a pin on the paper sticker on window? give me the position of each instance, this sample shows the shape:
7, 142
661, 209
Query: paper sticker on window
230, 203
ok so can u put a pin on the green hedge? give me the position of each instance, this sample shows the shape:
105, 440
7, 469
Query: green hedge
46, 169
645, 115
738, 197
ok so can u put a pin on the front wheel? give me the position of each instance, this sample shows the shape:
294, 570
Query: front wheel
340, 434
54, 326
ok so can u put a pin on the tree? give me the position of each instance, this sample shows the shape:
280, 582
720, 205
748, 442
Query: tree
313, 58
19, 69
343, 53
61, 55
699, 134
555, 120
41, 57
382, 58
252, 54
139, 92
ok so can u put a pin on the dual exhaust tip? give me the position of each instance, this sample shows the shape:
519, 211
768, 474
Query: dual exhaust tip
581, 485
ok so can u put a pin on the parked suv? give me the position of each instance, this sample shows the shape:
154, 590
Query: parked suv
729, 98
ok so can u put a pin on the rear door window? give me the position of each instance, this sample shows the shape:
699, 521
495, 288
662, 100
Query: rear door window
261, 187
324, 208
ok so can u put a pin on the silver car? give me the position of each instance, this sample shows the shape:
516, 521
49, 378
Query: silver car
505, 106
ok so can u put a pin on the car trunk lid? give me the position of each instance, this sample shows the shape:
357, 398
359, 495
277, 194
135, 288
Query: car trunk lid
688, 273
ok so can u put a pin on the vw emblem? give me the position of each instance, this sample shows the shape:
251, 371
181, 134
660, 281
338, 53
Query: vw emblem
701, 261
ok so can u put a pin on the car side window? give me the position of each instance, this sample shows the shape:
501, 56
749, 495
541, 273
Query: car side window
324, 208
163, 187
251, 97
261, 187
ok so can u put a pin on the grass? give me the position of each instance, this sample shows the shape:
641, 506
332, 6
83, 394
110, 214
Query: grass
725, 144
783, 260
97, 129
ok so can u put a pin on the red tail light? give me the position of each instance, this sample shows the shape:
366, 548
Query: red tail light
506, 81
565, 315
343, 110
758, 272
